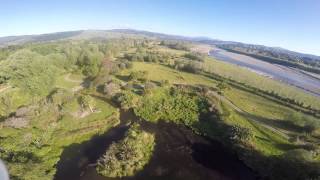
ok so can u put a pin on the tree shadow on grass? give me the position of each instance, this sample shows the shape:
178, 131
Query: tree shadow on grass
123, 78
281, 124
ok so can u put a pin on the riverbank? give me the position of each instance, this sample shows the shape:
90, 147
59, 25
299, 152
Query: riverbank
280, 73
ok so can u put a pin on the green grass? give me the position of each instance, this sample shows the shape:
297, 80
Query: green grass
63, 82
158, 73
253, 79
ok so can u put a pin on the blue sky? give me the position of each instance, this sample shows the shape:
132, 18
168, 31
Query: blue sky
291, 24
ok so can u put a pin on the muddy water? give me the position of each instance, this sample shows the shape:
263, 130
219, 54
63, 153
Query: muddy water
179, 154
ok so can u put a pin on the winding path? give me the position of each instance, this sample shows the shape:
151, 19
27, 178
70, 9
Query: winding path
67, 78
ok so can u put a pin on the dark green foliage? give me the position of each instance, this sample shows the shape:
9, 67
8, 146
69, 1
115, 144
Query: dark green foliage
128, 156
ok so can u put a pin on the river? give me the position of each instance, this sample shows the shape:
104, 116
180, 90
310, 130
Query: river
281, 73
179, 154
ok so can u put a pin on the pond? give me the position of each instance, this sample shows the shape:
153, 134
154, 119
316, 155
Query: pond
179, 154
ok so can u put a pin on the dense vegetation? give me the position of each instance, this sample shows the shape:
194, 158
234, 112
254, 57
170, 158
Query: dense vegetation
129, 156
55, 94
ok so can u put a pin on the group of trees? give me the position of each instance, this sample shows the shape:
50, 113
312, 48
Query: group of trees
173, 105
147, 56
188, 66
29, 71
194, 56
178, 45
128, 156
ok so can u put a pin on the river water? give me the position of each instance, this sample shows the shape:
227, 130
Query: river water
284, 74
179, 154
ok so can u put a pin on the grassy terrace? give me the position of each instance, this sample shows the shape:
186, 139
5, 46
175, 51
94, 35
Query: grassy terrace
245, 76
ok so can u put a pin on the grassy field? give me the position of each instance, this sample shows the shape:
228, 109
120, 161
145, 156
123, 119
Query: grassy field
158, 73
253, 79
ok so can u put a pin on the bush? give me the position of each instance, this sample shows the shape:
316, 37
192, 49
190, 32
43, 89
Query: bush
240, 134
128, 156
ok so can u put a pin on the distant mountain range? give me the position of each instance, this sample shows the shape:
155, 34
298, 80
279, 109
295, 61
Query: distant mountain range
258, 51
